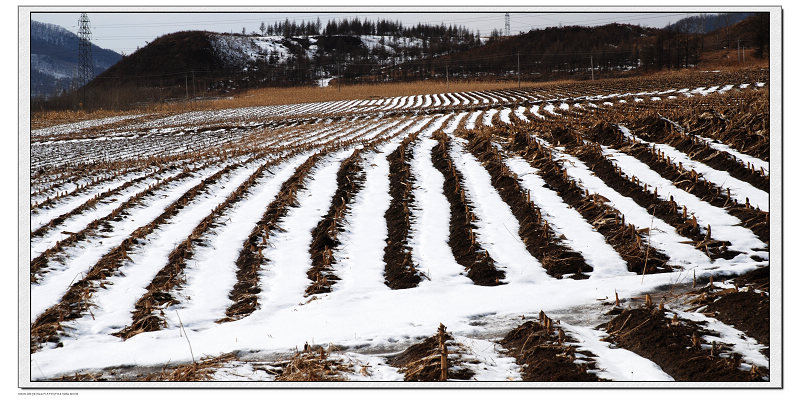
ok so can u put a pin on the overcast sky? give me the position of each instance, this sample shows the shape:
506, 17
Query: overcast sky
124, 32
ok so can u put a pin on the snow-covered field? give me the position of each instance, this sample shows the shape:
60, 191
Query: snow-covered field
239, 205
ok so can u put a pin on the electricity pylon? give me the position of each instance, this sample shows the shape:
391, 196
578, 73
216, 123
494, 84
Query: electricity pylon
85, 64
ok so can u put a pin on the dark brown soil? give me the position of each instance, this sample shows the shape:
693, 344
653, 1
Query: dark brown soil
466, 249
669, 343
745, 308
746, 311
546, 356
400, 272
757, 279
422, 362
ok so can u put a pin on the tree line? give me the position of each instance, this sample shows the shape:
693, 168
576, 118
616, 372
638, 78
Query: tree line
358, 27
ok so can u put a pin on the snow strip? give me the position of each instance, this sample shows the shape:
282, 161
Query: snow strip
453, 124
487, 362
487, 117
550, 108
745, 159
520, 113
43, 216
535, 111
504, 116
615, 363
78, 222
359, 258
473, 118
429, 231
283, 278
662, 235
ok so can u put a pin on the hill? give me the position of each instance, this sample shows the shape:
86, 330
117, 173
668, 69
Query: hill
707, 22
54, 58
572, 52
194, 62
553, 51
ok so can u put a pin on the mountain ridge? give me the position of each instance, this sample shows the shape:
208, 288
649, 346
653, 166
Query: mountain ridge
54, 58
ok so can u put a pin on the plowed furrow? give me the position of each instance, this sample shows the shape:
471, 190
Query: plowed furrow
754, 219
245, 292
667, 211
628, 240
75, 301
463, 241
540, 240
401, 273
324, 237
160, 291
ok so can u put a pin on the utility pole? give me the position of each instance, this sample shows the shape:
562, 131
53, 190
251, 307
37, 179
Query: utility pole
519, 81
738, 56
194, 86
508, 24
85, 65
591, 64
186, 84
447, 75
744, 54
339, 76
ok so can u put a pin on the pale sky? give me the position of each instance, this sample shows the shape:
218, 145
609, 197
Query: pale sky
125, 31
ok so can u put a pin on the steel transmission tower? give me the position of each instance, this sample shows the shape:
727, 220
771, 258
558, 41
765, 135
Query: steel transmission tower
85, 64
508, 24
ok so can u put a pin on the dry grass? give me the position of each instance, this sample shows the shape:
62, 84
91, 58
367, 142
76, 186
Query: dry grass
315, 365
200, 371
728, 60
277, 96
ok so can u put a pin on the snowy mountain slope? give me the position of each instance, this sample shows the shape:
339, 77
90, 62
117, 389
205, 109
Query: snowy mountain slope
54, 58
239, 50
